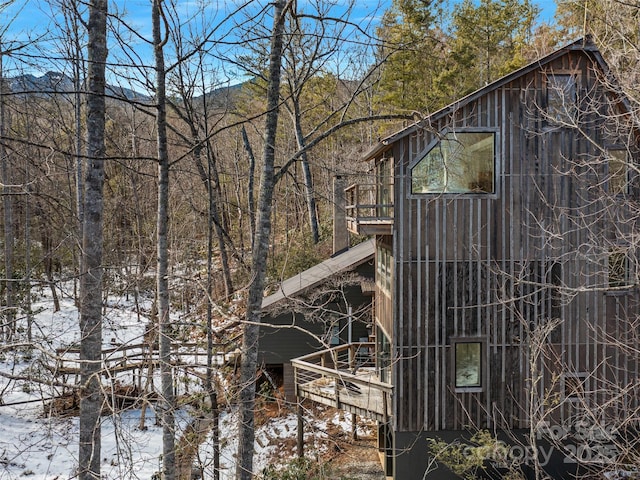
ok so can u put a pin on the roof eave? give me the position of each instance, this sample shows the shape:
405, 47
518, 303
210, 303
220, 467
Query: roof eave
583, 44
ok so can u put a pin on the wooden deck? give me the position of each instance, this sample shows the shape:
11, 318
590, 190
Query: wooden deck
365, 215
344, 377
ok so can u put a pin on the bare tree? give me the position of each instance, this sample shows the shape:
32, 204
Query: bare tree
248, 366
195, 113
8, 213
91, 400
72, 44
162, 271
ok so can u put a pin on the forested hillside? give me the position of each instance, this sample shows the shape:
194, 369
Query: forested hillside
209, 178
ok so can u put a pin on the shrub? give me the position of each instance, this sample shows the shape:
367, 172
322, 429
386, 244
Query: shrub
299, 469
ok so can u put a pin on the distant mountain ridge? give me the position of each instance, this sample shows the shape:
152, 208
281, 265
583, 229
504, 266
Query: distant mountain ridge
59, 83
223, 97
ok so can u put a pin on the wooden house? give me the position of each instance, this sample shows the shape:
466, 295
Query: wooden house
324, 306
506, 275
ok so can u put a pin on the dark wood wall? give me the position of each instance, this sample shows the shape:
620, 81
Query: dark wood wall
499, 267
293, 327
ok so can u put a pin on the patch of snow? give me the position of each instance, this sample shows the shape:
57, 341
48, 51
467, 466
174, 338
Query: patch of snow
41, 447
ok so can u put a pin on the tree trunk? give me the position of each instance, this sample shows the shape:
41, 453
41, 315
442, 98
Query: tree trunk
77, 109
214, 207
249, 361
306, 170
27, 257
252, 169
47, 250
27, 246
74, 51
167, 402
210, 387
91, 273
211, 180
8, 220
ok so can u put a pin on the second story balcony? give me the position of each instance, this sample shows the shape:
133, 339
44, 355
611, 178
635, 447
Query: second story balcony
369, 208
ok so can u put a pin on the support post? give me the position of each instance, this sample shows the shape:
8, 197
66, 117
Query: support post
300, 432
354, 427
340, 232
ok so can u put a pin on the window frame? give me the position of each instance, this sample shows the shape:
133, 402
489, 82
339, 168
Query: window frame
554, 121
578, 394
333, 334
383, 355
497, 165
483, 367
619, 284
625, 170
384, 186
384, 268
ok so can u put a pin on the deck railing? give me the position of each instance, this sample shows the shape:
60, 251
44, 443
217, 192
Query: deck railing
185, 356
368, 204
344, 377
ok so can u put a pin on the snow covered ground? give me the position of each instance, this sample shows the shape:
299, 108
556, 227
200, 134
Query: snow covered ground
37, 445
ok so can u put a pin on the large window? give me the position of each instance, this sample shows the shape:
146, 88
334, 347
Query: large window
461, 162
468, 364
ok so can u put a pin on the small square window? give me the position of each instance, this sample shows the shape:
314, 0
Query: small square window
619, 268
575, 386
468, 365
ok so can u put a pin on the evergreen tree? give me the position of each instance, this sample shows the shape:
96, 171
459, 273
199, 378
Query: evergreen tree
414, 51
436, 56
489, 40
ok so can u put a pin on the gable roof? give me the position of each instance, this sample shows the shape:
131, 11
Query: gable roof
584, 44
315, 275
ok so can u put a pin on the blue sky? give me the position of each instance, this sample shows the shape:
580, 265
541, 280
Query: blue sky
35, 14
28, 19
33, 19
548, 8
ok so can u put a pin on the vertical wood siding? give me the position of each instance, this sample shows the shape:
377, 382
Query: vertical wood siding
494, 266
